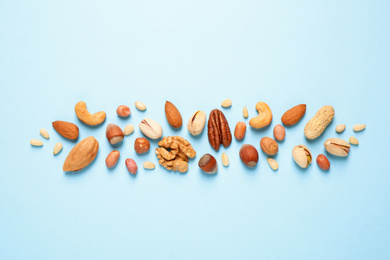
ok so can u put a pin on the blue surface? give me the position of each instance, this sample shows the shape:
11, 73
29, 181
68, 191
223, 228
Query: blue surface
195, 54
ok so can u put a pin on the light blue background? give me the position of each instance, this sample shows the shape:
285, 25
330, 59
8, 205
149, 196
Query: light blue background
195, 54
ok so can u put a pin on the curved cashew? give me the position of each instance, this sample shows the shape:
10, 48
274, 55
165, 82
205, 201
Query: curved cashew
264, 118
86, 117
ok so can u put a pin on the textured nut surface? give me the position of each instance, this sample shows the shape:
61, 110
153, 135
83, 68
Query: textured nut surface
129, 129
249, 155
208, 164
226, 103
245, 112
66, 129
114, 134
279, 133
35, 142
340, 128
151, 128
264, 117
141, 145
294, 115
131, 166
149, 165
173, 115
317, 125
337, 147
323, 162
269, 146
273, 164
196, 123
225, 159
86, 117
302, 155
239, 131
57, 148
218, 130
140, 106
81, 155
44, 133
358, 128
123, 111
353, 140
112, 158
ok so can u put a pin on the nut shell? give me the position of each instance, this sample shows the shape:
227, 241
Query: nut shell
317, 125
141, 145
302, 155
249, 155
337, 147
151, 128
269, 146
196, 123
81, 155
208, 164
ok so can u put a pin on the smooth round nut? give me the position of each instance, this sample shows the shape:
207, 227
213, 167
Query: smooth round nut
123, 111
279, 133
323, 162
269, 146
140, 106
131, 166
249, 155
239, 131
141, 145
208, 164
340, 128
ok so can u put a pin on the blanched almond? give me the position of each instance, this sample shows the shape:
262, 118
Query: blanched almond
44, 133
57, 148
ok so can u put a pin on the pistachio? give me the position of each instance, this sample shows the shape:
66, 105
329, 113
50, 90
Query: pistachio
340, 128
353, 140
226, 103
225, 160
140, 106
337, 147
245, 112
302, 155
358, 128
150, 128
196, 123
273, 164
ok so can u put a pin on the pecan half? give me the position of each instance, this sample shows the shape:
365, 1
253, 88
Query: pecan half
218, 130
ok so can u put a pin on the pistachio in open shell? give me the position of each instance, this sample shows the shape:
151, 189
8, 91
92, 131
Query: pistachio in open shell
302, 155
337, 146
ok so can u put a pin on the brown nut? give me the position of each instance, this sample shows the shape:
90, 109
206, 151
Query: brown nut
66, 129
249, 155
131, 166
269, 146
323, 162
112, 158
218, 130
123, 111
279, 133
87, 118
114, 134
239, 131
173, 115
294, 115
141, 145
208, 164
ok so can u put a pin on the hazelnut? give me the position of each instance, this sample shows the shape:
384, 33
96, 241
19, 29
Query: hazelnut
123, 111
141, 145
114, 134
249, 155
279, 133
269, 146
239, 131
208, 164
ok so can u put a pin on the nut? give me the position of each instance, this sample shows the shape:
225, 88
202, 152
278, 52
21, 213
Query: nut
114, 134
57, 148
150, 128
225, 160
173, 115
123, 111
279, 133
226, 103
245, 112
302, 155
337, 147
294, 115
86, 117
131, 166
141, 145
358, 128
129, 129
149, 165
269, 146
316, 126
323, 162
35, 142
264, 117
196, 123
208, 164
239, 131
340, 128
249, 155
140, 106
81, 155
273, 164
353, 140
44, 133
66, 129
112, 158
218, 130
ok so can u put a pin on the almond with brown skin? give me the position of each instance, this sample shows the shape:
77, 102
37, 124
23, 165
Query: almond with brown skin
81, 155
173, 115
66, 129
293, 115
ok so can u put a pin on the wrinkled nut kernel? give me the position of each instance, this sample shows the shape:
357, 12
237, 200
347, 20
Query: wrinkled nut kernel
353, 140
151, 128
196, 123
141, 145
323, 162
269, 146
86, 117
123, 111
239, 131
226, 103
249, 155
337, 147
114, 134
35, 142
340, 128
44, 133
245, 112
112, 158
358, 128
225, 160
140, 106
129, 129
302, 155
208, 164
131, 166
279, 133
149, 165
317, 125
264, 117
57, 148
273, 164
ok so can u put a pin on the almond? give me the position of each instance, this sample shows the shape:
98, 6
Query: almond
66, 129
173, 115
81, 155
293, 115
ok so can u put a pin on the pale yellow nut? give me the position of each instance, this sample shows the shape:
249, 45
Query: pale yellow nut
225, 160
140, 106
44, 133
273, 164
245, 112
340, 128
129, 129
149, 165
226, 103
263, 118
358, 128
86, 117
35, 142
353, 140
57, 148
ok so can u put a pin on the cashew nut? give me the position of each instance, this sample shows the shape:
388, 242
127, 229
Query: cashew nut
86, 117
264, 117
